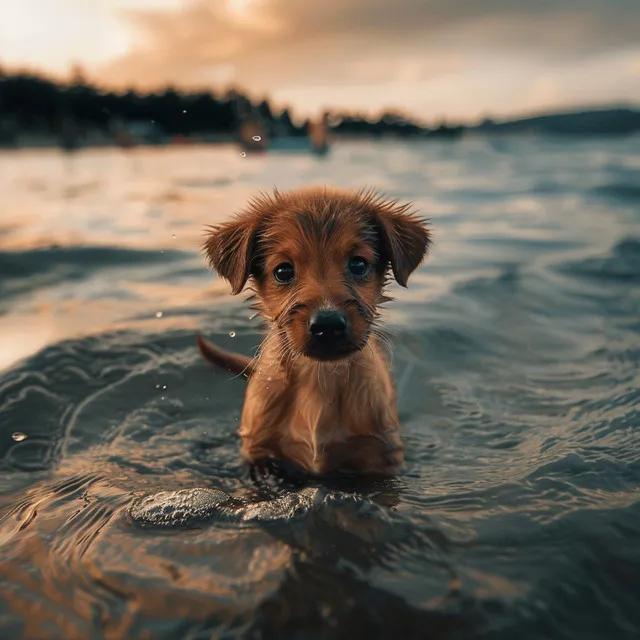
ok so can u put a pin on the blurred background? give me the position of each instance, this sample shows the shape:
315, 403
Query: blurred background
127, 126
81, 73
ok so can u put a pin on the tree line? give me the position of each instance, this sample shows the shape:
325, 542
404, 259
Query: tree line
33, 103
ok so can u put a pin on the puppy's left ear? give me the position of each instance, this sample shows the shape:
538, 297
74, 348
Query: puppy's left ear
405, 238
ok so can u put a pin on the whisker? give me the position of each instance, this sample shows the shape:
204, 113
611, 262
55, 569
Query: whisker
252, 361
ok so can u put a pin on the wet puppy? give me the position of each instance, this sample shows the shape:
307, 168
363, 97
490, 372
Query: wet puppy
320, 393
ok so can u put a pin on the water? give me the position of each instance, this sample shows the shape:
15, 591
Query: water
517, 351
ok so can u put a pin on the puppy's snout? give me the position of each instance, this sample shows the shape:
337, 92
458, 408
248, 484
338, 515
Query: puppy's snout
329, 335
328, 325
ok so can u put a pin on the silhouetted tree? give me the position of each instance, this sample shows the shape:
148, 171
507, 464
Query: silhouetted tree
39, 104
30, 103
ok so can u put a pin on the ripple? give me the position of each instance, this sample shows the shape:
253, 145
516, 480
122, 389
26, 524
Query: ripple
516, 361
26, 272
619, 191
621, 264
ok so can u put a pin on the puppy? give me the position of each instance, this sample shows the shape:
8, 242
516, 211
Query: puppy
320, 393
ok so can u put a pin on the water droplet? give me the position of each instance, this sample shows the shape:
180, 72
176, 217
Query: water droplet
173, 235
256, 138
232, 334
185, 111
157, 386
162, 398
243, 155
159, 314
164, 386
18, 436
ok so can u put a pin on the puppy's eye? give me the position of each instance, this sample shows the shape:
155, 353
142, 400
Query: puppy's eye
284, 273
358, 266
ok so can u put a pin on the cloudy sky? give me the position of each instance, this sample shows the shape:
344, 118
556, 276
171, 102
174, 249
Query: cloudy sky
458, 59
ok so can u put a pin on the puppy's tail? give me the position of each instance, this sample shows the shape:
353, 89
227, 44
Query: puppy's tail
232, 362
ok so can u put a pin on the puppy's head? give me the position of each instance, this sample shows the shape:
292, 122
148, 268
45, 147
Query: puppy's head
318, 260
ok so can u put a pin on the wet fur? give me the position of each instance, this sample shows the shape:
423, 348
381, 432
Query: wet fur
323, 416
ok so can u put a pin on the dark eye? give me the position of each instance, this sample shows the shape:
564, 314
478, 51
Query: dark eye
358, 266
284, 273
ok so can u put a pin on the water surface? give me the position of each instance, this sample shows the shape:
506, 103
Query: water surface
517, 348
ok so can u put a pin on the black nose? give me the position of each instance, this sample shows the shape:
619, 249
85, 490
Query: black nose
328, 324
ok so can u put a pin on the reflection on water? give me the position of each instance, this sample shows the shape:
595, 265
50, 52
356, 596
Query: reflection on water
516, 354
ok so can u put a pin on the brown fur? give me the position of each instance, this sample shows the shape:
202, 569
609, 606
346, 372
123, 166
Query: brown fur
324, 414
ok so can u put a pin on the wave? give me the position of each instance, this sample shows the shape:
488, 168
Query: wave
621, 264
26, 271
623, 191
32, 262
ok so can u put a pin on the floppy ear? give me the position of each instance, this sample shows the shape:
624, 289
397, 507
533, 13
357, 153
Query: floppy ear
405, 237
230, 249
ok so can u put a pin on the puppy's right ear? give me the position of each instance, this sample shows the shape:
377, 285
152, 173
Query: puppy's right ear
230, 249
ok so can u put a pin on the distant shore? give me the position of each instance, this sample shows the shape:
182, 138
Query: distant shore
36, 112
96, 140
556, 125
594, 123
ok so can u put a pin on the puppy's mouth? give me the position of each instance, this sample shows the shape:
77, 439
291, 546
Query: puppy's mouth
331, 351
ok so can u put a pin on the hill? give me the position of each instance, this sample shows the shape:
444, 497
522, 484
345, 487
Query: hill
615, 121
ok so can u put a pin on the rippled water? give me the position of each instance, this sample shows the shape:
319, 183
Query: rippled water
517, 353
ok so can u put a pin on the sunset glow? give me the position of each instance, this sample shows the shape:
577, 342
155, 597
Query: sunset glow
433, 58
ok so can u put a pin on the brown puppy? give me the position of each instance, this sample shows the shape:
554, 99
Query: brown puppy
320, 394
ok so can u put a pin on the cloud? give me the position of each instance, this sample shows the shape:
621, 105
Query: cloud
280, 46
565, 26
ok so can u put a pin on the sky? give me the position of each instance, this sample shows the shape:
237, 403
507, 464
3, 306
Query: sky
434, 59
